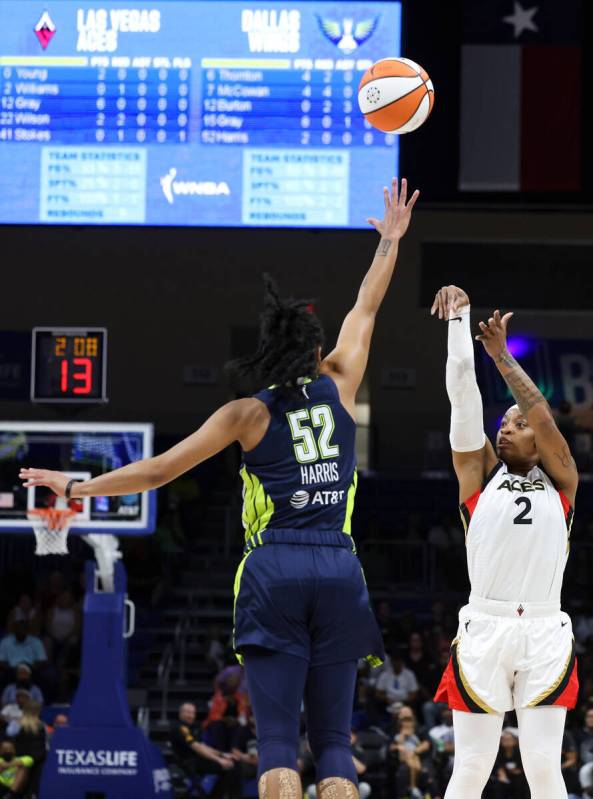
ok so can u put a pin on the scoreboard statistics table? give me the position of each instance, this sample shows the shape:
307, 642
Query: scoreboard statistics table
191, 112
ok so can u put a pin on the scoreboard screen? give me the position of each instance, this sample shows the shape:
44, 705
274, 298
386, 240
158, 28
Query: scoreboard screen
192, 112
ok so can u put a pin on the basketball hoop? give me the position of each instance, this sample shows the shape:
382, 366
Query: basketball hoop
51, 526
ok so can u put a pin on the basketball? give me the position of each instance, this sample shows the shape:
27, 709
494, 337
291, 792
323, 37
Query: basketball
396, 95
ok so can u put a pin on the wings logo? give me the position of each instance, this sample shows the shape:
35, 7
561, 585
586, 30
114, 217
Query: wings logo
45, 29
348, 35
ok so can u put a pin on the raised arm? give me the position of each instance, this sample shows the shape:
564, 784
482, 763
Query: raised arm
473, 454
347, 362
226, 425
551, 444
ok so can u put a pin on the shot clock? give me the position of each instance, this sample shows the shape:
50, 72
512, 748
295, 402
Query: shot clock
69, 364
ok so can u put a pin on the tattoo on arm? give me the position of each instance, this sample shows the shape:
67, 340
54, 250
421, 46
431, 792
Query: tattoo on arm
522, 387
384, 247
565, 458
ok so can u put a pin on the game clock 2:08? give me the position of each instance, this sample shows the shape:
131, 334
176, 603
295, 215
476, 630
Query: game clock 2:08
69, 365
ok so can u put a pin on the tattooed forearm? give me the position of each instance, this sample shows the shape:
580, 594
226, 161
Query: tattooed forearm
521, 386
565, 458
384, 247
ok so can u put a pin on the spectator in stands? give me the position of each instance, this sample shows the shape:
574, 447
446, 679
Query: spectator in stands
21, 647
570, 770
13, 711
399, 685
25, 610
228, 708
31, 740
443, 749
14, 771
63, 623
509, 777
585, 738
31, 737
23, 681
199, 760
420, 665
412, 751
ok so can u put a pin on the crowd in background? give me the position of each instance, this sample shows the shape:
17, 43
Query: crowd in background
39, 663
402, 742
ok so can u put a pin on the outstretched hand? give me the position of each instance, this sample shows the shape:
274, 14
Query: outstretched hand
494, 334
398, 212
45, 477
449, 300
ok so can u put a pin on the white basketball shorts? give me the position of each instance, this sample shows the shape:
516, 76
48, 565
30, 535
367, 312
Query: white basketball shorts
509, 655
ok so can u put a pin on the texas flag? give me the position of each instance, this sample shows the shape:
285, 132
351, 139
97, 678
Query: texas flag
521, 95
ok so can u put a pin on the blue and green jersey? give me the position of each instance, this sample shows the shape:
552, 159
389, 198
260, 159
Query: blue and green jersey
302, 474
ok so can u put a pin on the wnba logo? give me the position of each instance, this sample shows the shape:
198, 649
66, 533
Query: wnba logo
299, 500
172, 187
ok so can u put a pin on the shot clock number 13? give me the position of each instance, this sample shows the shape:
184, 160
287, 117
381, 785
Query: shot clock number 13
69, 365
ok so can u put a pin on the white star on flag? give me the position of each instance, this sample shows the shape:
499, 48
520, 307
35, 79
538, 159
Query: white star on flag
522, 19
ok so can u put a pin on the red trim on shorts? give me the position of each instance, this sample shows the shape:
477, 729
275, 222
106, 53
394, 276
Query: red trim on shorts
448, 691
568, 697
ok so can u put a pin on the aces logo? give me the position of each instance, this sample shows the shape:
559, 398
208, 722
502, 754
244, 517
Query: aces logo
45, 29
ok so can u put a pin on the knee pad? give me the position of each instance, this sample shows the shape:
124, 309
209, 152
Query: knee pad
280, 783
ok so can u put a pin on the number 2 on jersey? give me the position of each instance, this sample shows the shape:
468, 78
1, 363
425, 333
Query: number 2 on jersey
522, 517
306, 448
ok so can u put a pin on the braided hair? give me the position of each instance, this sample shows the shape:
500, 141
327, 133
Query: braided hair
289, 335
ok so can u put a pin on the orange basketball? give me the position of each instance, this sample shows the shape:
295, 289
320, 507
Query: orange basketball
396, 95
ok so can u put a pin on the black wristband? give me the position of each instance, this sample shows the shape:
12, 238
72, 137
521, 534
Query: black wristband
68, 488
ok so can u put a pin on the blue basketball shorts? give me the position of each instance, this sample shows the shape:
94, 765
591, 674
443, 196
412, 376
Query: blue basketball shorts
303, 592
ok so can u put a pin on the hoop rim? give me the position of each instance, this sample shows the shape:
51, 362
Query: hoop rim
54, 519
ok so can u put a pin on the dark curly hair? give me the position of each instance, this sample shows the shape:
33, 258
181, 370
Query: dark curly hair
289, 335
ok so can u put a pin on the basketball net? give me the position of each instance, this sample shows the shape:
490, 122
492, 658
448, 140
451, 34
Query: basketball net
51, 526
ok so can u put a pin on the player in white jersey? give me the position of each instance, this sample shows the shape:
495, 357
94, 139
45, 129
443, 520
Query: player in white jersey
514, 647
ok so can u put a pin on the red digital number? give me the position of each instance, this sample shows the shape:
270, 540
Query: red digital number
64, 376
85, 376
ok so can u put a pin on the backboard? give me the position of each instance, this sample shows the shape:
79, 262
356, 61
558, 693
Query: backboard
82, 450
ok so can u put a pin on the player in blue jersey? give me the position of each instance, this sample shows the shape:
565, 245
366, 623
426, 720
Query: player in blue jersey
302, 612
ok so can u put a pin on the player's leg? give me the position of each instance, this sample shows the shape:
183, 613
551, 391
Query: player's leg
540, 740
477, 738
329, 696
276, 683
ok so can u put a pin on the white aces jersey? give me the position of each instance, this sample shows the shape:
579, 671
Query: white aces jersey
517, 537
